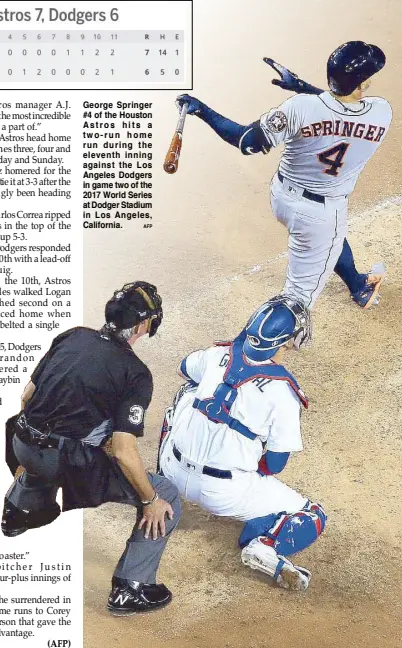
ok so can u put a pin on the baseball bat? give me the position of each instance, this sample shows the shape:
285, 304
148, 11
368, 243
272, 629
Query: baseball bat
171, 163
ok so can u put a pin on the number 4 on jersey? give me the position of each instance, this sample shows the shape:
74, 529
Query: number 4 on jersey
333, 158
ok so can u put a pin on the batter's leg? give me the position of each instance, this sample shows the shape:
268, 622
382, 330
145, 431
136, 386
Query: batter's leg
314, 249
346, 270
316, 235
363, 287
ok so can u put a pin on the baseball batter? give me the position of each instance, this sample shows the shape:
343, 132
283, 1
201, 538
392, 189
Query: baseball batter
232, 427
329, 137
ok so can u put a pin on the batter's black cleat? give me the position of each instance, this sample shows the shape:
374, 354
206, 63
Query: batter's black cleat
130, 597
16, 521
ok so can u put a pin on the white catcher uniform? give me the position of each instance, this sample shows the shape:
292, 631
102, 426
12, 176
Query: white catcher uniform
270, 409
240, 407
327, 145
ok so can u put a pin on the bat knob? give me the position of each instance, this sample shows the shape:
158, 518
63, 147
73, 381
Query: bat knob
170, 168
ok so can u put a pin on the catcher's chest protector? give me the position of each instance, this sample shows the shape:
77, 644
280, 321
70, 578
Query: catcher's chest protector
239, 372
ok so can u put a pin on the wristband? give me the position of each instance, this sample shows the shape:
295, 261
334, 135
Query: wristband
151, 501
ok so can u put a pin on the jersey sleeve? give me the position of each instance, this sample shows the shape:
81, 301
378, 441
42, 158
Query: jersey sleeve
131, 410
193, 366
282, 123
388, 114
285, 431
385, 107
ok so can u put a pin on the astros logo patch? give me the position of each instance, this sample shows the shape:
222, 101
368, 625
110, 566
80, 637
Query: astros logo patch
136, 415
277, 122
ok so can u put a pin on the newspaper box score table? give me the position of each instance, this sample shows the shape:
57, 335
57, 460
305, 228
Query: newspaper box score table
93, 56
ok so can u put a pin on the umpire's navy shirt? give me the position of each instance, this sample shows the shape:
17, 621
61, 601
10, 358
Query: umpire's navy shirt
89, 385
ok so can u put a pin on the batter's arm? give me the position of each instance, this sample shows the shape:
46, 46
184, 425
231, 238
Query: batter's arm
249, 139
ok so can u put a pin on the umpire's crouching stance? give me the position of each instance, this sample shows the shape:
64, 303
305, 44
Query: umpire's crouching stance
91, 386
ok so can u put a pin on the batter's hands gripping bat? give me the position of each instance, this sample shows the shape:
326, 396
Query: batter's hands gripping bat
172, 156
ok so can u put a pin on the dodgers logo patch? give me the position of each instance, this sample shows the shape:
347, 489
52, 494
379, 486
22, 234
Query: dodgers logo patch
277, 122
136, 415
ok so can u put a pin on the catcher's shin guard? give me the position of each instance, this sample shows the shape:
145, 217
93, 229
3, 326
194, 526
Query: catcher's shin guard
287, 533
259, 555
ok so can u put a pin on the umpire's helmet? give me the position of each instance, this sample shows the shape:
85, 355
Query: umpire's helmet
279, 320
133, 304
351, 64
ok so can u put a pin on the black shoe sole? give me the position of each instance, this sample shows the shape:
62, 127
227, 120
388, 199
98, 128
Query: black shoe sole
11, 533
120, 613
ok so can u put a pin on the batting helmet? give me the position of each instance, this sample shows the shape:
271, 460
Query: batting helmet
351, 64
133, 304
279, 320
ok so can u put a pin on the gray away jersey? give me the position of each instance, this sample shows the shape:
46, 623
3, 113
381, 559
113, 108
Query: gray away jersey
327, 143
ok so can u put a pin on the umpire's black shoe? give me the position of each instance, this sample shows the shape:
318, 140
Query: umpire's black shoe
16, 521
129, 597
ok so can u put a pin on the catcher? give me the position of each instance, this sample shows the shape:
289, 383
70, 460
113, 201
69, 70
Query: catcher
232, 427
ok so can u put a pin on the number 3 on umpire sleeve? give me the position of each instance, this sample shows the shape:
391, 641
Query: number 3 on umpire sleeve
333, 158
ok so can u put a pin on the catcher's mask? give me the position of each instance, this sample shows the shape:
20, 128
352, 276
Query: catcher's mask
279, 320
134, 303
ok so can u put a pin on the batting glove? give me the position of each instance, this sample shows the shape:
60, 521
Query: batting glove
194, 105
290, 81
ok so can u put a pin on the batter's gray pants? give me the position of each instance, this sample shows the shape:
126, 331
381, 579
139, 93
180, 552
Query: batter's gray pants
316, 235
38, 486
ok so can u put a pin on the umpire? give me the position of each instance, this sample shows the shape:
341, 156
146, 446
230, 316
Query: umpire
91, 386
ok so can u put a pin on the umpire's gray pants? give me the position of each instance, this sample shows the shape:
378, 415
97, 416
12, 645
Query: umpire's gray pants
37, 488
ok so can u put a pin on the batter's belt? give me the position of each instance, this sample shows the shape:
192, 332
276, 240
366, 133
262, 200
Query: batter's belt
306, 193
